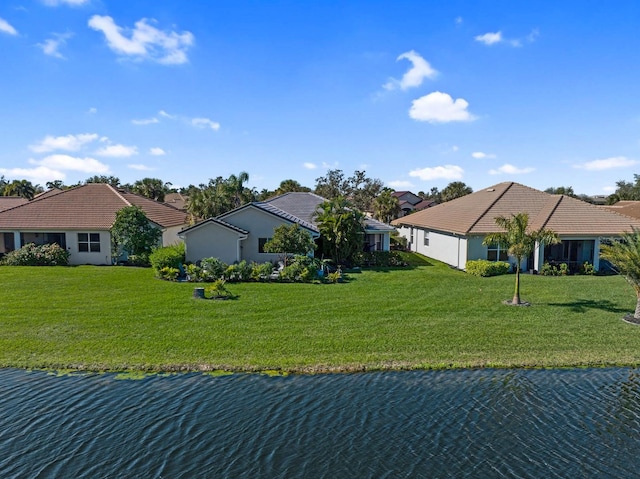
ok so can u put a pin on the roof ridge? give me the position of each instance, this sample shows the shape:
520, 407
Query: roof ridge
486, 210
549, 208
119, 195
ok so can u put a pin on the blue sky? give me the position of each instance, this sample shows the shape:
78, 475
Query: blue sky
416, 93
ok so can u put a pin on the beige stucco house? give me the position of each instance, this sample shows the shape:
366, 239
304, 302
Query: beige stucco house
80, 219
453, 232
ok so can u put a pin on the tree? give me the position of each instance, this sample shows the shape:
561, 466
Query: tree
152, 188
625, 191
219, 196
519, 241
561, 190
332, 185
358, 189
288, 186
133, 233
624, 256
238, 192
433, 195
290, 240
23, 188
341, 227
455, 190
386, 207
110, 180
57, 184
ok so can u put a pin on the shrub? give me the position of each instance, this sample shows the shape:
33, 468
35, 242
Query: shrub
261, 271
238, 272
141, 259
334, 277
551, 270
167, 257
217, 289
587, 268
484, 268
194, 273
213, 268
42, 255
384, 259
168, 273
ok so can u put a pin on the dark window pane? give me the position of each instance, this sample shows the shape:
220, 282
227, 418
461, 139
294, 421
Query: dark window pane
95, 237
83, 247
95, 247
83, 237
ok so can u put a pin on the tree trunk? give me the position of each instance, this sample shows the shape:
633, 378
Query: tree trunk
516, 293
636, 315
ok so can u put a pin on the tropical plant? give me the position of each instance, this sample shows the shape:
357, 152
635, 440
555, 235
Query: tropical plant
341, 227
519, 241
152, 188
132, 232
287, 186
454, 190
110, 180
386, 207
168, 256
22, 188
218, 290
624, 256
290, 240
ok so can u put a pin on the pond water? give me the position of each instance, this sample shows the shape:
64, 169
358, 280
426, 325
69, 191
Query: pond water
433, 424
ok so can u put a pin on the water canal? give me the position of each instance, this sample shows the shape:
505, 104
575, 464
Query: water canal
432, 424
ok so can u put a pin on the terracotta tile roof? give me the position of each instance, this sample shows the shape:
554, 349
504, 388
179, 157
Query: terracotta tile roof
629, 208
8, 202
90, 206
476, 213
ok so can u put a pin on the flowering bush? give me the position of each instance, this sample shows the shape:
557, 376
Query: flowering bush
43, 255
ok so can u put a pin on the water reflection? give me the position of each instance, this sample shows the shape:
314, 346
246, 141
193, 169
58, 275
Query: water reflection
478, 423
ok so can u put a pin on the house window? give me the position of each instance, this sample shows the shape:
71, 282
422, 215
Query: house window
496, 253
261, 243
89, 242
426, 238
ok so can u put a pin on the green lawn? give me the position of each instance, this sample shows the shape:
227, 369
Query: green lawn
429, 316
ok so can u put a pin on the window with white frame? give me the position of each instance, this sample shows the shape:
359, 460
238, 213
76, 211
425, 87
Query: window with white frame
426, 238
497, 253
89, 242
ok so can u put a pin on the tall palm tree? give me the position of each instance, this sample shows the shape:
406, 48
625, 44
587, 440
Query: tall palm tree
624, 255
519, 241
23, 188
237, 188
386, 207
341, 227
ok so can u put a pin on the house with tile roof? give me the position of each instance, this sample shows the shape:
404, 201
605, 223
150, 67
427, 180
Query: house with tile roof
410, 202
453, 232
80, 220
241, 234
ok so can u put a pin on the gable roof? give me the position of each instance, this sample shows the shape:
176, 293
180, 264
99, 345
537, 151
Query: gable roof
271, 210
626, 207
8, 202
90, 206
216, 221
475, 213
303, 205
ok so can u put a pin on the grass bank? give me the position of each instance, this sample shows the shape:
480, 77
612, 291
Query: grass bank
429, 316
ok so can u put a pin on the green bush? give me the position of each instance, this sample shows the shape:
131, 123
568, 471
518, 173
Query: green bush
42, 255
169, 273
588, 269
484, 268
238, 272
218, 290
213, 269
261, 271
380, 259
141, 259
167, 257
551, 270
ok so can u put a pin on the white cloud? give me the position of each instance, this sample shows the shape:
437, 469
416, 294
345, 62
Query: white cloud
67, 162
310, 166
165, 114
479, 155
205, 123
144, 42
5, 27
117, 151
51, 46
93, 110
40, 174
398, 184
140, 167
156, 151
510, 170
609, 189
607, 163
145, 121
459, 20
414, 76
438, 107
489, 38
72, 3
447, 172
65, 143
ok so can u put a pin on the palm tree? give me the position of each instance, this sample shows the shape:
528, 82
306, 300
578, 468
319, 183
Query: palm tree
341, 227
454, 190
519, 241
23, 188
386, 207
237, 188
624, 255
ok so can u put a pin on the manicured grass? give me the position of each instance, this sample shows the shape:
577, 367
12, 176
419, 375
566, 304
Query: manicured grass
427, 316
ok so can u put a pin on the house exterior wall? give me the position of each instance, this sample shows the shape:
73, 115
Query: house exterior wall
260, 225
170, 235
212, 241
103, 257
448, 248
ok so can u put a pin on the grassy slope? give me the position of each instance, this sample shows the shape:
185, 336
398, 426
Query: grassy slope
103, 318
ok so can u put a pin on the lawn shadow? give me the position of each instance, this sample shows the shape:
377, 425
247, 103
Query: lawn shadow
583, 305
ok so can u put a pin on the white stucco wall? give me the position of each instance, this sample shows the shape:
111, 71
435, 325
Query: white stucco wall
443, 247
212, 240
99, 258
170, 235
